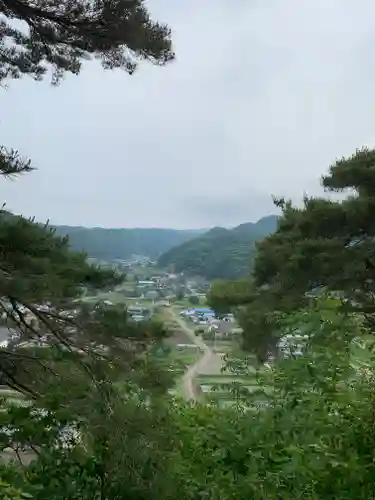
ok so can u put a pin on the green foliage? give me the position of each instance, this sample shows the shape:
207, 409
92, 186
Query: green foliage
109, 244
180, 294
219, 253
325, 246
307, 431
39, 276
39, 279
11, 163
96, 418
224, 295
7, 492
98, 425
194, 300
63, 35
254, 311
309, 435
39, 266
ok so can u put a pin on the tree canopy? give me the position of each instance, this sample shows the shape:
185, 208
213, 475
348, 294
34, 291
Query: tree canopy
307, 431
324, 246
76, 370
39, 276
110, 244
64, 34
36, 37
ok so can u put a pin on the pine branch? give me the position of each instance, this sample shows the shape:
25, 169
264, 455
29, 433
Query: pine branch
12, 163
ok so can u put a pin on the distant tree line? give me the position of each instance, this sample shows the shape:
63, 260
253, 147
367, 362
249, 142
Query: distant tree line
220, 253
110, 244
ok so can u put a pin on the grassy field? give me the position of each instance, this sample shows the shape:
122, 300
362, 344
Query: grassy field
186, 356
118, 298
178, 361
220, 389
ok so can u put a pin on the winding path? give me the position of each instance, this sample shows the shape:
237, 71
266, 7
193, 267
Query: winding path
193, 370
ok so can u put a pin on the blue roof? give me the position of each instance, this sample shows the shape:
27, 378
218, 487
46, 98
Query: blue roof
198, 310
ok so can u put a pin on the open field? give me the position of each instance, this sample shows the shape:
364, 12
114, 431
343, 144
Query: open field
186, 355
185, 303
214, 366
221, 346
118, 298
115, 297
179, 337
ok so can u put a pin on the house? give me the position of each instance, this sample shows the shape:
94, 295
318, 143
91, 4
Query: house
139, 313
138, 317
151, 295
137, 309
163, 303
145, 284
199, 315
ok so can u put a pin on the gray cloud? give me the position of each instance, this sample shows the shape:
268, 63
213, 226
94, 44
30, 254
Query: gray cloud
262, 98
228, 210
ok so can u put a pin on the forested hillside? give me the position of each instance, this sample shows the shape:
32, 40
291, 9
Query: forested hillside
219, 253
110, 244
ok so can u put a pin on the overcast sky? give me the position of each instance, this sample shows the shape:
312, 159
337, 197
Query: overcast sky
263, 96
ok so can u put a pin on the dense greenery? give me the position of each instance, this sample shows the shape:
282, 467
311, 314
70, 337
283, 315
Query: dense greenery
41, 279
100, 423
91, 418
323, 246
309, 433
39, 276
219, 253
108, 244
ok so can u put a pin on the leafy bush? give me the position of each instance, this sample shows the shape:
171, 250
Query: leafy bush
305, 431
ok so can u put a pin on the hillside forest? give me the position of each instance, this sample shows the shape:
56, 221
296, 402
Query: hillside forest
213, 254
219, 253
110, 244
87, 413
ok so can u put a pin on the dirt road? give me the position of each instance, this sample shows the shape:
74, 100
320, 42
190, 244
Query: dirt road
208, 357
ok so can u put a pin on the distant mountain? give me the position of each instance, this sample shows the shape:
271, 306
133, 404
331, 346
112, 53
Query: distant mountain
109, 244
219, 253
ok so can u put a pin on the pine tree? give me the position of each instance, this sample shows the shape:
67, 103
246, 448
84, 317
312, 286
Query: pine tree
39, 276
325, 246
63, 34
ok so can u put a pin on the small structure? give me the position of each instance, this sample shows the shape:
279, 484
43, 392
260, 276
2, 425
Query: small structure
163, 303
145, 284
138, 317
151, 295
199, 315
138, 313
